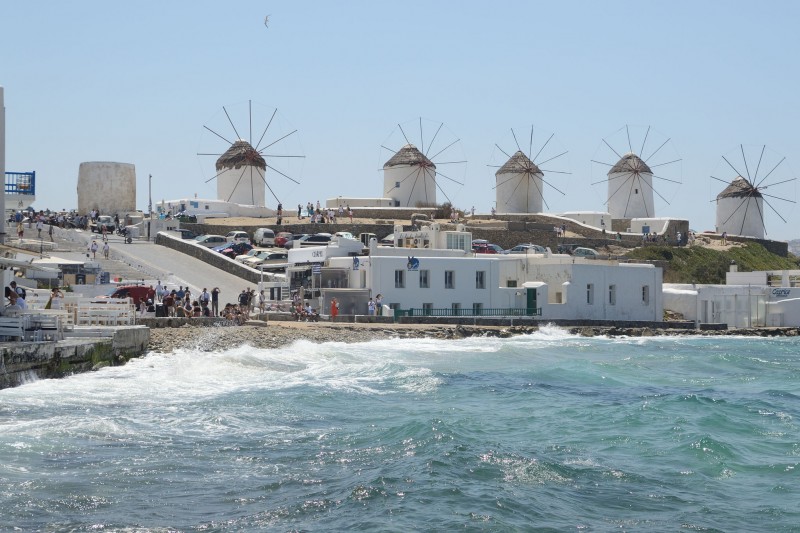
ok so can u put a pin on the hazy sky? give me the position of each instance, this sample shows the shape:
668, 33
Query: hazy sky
136, 82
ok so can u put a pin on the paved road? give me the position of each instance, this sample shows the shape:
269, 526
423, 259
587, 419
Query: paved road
151, 262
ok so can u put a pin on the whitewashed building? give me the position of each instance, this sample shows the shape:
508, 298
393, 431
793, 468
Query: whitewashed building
749, 299
740, 210
409, 178
241, 175
519, 185
435, 272
630, 188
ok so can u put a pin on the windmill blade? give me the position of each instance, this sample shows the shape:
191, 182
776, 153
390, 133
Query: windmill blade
734, 169
744, 218
284, 156
252, 186
218, 135
232, 126
745, 199
277, 141
250, 115
445, 194
776, 183
553, 186
776, 212
745, 164
515, 139
449, 178
269, 123
601, 163
449, 162
555, 171
630, 193
443, 149
771, 171
498, 147
411, 192
619, 175
421, 138
755, 176
629, 177
609, 146
667, 179
776, 197
413, 171
282, 174
504, 182
657, 150
628, 131
404, 134
433, 140
217, 175
200, 153
530, 143
720, 180
540, 191
667, 163
655, 191
553, 158
270, 188
645, 139
543, 147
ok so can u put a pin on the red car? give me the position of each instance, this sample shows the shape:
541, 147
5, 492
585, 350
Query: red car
485, 248
136, 292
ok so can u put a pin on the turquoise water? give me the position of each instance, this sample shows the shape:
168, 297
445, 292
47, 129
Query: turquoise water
541, 432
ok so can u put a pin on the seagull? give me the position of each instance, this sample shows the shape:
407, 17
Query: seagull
266, 21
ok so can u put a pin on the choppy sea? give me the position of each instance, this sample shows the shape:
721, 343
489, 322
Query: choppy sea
547, 431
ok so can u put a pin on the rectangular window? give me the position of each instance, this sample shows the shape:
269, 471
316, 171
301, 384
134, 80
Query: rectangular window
424, 279
477, 309
396, 184
399, 279
612, 295
511, 283
449, 279
646, 294
456, 241
480, 279
590, 294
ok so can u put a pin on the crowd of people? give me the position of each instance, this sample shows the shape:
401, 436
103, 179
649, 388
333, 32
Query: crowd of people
318, 215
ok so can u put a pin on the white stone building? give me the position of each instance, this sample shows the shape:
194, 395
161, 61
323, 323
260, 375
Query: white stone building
740, 210
519, 185
409, 178
435, 272
630, 188
107, 187
241, 175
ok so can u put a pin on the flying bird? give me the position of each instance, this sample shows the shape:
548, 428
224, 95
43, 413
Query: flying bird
266, 21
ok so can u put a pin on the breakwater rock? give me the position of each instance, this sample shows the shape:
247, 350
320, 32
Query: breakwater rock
278, 334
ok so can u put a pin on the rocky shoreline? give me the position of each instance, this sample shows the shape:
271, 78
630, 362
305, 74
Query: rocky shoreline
278, 334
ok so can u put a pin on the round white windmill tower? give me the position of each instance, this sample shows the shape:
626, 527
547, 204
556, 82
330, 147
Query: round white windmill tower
630, 188
240, 175
409, 178
519, 185
740, 210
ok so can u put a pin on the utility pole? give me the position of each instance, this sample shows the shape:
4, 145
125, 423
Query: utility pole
149, 204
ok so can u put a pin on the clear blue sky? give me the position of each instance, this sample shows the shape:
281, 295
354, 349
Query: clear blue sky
136, 82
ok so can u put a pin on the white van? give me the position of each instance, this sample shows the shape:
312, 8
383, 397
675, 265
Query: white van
264, 237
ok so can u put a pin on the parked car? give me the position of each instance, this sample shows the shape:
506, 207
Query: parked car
586, 252
210, 241
186, 234
237, 236
485, 248
281, 238
264, 237
236, 248
251, 253
387, 241
289, 244
318, 239
344, 235
106, 222
526, 249
270, 257
135, 292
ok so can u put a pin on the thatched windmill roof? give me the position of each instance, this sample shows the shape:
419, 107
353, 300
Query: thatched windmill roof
519, 163
630, 163
241, 153
409, 155
739, 188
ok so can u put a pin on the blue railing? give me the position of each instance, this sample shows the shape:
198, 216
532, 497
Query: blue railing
21, 183
468, 311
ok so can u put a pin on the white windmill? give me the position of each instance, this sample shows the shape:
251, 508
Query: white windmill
410, 175
520, 181
741, 204
630, 180
241, 171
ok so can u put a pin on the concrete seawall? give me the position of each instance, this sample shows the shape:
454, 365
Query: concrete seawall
89, 349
